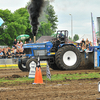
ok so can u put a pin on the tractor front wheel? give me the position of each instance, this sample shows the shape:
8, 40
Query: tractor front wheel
21, 65
31, 62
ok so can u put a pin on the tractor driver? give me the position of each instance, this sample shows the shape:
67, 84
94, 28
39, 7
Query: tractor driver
57, 43
61, 36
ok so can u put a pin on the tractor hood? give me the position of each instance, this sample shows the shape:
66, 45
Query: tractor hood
46, 45
34, 49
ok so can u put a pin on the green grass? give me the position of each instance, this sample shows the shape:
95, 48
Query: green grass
15, 81
56, 77
43, 66
74, 76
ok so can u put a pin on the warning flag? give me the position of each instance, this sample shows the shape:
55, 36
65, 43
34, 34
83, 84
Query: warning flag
38, 64
1, 21
93, 32
48, 72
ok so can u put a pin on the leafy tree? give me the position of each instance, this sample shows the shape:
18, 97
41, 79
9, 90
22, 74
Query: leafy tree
54, 35
13, 30
70, 38
24, 18
44, 29
76, 37
51, 17
6, 15
18, 23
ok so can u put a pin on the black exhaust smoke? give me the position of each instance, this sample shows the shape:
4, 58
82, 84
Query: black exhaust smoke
34, 10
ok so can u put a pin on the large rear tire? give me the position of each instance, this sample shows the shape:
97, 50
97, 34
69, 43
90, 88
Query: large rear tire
29, 62
21, 65
68, 58
53, 66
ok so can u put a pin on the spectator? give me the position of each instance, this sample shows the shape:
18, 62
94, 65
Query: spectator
14, 43
25, 42
98, 41
4, 53
17, 53
87, 43
9, 49
30, 41
87, 50
83, 41
18, 45
21, 43
83, 47
13, 52
36, 41
9, 52
1, 53
79, 46
90, 43
21, 52
21, 46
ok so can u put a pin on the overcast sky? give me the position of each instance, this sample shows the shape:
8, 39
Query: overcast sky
79, 9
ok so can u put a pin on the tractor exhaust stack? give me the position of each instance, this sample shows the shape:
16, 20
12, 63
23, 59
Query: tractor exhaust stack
34, 39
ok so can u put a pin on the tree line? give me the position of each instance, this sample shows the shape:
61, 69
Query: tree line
18, 23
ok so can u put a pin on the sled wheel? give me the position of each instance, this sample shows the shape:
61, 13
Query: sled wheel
91, 60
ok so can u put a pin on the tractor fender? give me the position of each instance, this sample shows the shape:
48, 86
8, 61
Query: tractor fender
62, 45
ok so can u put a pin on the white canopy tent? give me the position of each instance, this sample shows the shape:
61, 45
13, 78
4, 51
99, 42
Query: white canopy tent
85, 36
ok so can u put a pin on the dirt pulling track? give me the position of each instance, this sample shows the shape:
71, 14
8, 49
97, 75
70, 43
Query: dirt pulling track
56, 90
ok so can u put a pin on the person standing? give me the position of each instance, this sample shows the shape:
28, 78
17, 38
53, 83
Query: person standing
14, 43
18, 44
30, 41
87, 43
98, 41
21, 43
83, 41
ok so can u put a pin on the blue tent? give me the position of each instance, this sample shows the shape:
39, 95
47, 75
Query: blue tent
1, 21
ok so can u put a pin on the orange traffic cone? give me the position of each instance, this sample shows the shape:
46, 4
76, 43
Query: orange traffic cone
38, 76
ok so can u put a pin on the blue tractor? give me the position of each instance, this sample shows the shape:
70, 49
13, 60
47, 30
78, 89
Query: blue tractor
59, 53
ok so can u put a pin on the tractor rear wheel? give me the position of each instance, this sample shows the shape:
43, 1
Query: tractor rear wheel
68, 57
53, 66
31, 62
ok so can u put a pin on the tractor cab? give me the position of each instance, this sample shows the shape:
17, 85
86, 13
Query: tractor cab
61, 38
62, 35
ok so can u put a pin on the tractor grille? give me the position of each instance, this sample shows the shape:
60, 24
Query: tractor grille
40, 52
27, 51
